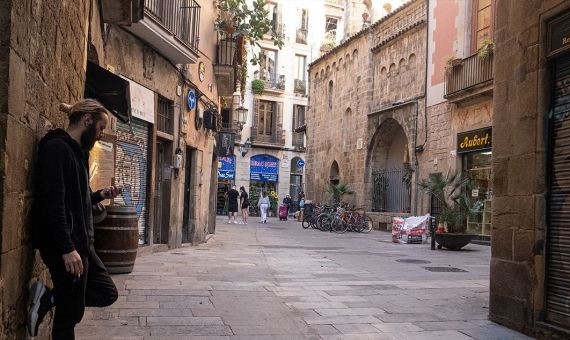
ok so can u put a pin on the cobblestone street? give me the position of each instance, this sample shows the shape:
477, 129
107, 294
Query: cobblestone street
278, 281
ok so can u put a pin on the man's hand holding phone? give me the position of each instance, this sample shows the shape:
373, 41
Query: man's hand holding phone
111, 192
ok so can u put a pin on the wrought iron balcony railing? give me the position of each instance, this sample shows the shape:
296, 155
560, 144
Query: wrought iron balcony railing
300, 86
298, 140
272, 81
470, 72
179, 17
301, 36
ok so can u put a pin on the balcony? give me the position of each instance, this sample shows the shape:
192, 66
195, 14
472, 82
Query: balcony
229, 127
300, 87
272, 81
228, 56
301, 36
171, 27
472, 77
298, 141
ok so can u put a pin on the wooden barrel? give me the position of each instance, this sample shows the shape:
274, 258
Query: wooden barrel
117, 239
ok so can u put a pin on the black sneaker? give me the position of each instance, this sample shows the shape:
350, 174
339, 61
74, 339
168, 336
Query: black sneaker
40, 303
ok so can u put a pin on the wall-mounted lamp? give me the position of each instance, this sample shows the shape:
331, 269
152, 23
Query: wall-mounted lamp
241, 117
244, 149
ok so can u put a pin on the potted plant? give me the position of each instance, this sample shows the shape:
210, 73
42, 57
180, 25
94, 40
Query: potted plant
451, 191
486, 49
337, 191
453, 61
257, 86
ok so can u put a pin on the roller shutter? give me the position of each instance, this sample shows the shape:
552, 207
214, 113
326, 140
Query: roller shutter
132, 170
558, 241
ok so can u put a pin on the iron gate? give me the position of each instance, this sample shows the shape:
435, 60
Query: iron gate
391, 190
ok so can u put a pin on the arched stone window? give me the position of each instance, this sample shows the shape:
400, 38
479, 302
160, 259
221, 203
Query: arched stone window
330, 95
334, 176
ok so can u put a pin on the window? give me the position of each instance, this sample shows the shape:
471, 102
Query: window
268, 65
165, 113
266, 112
482, 22
300, 67
303, 26
303, 19
331, 25
298, 116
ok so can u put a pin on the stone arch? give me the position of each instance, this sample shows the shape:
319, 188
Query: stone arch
334, 173
383, 85
388, 162
334, 66
347, 58
341, 62
322, 73
328, 70
401, 79
347, 120
391, 82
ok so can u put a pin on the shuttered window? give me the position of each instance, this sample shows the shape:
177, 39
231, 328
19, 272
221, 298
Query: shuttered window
165, 113
558, 232
266, 114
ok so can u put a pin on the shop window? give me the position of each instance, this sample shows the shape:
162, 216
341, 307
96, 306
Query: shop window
165, 115
266, 118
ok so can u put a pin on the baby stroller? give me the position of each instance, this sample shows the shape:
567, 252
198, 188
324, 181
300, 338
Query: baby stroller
283, 212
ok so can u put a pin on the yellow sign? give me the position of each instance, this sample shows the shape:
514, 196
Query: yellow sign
474, 140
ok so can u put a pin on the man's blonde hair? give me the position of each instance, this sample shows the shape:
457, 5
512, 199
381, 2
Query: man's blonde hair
83, 107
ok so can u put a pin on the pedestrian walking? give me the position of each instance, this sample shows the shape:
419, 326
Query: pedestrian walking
287, 202
263, 205
233, 195
244, 204
62, 226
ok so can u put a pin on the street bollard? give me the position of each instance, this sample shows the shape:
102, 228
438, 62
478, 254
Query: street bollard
432, 232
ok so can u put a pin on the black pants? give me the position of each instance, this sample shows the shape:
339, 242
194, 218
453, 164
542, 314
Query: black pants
93, 289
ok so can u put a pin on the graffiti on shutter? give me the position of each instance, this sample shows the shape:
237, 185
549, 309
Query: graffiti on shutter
131, 170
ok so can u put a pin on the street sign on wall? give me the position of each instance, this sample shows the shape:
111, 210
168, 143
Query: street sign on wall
264, 168
227, 167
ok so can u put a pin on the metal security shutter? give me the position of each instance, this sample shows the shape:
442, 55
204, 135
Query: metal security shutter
132, 169
558, 246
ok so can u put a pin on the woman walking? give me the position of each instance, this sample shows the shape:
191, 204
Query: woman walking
244, 204
263, 205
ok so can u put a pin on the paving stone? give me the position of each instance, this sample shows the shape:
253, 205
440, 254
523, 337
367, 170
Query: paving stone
370, 336
357, 328
397, 327
315, 305
349, 311
195, 330
330, 320
432, 335
155, 312
182, 321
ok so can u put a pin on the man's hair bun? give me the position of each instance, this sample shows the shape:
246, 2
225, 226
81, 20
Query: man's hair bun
65, 108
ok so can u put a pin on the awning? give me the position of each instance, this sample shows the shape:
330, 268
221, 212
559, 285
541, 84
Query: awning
109, 89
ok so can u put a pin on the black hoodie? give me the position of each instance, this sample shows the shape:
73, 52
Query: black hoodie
62, 217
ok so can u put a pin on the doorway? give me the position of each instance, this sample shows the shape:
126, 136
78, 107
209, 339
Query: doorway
162, 191
187, 225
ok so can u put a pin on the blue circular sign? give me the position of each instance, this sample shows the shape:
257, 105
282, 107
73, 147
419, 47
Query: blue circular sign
300, 163
191, 99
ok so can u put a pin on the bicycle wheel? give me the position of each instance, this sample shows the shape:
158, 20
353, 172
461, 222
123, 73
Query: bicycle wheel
339, 226
366, 224
306, 222
324, 222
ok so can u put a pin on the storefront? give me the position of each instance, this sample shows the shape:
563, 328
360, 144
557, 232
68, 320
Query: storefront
263, 176
226, 177
475, 148
132, 156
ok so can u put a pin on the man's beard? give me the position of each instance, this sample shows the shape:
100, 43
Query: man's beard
89, 137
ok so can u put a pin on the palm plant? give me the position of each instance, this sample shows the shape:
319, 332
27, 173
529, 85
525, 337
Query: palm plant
451, 191
337, 191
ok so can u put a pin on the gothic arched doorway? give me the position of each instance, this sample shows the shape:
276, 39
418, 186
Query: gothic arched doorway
391, 174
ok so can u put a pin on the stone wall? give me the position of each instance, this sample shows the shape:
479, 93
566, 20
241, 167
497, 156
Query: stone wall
336, 119
519, 162
39, 39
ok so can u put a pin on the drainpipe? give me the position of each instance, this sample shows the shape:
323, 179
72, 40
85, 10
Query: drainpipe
420, 148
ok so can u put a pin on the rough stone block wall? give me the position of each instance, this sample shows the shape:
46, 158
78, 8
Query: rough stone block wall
334, 131
519, 161
42, 55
